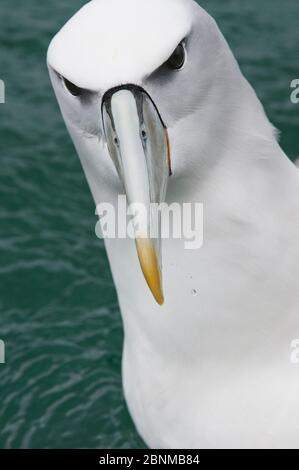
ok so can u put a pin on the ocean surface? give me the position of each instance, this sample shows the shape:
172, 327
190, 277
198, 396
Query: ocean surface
59, 317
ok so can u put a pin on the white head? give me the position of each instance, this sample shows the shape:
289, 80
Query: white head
130, 76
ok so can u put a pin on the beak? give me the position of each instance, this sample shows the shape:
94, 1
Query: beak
138, 145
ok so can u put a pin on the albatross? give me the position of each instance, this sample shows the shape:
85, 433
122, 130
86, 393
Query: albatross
145, 85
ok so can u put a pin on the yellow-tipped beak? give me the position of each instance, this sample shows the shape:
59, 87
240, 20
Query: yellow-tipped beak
138, 144
150, 267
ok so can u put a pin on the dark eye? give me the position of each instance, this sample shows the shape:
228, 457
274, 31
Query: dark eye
177, 58
73, 89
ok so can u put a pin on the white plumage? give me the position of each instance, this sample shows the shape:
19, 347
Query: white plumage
212, 369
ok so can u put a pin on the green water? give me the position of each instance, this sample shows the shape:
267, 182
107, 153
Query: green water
59, 318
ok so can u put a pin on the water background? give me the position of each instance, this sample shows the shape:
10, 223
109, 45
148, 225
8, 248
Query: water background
59, 318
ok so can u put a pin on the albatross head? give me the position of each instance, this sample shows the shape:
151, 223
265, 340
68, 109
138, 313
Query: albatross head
126, 73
